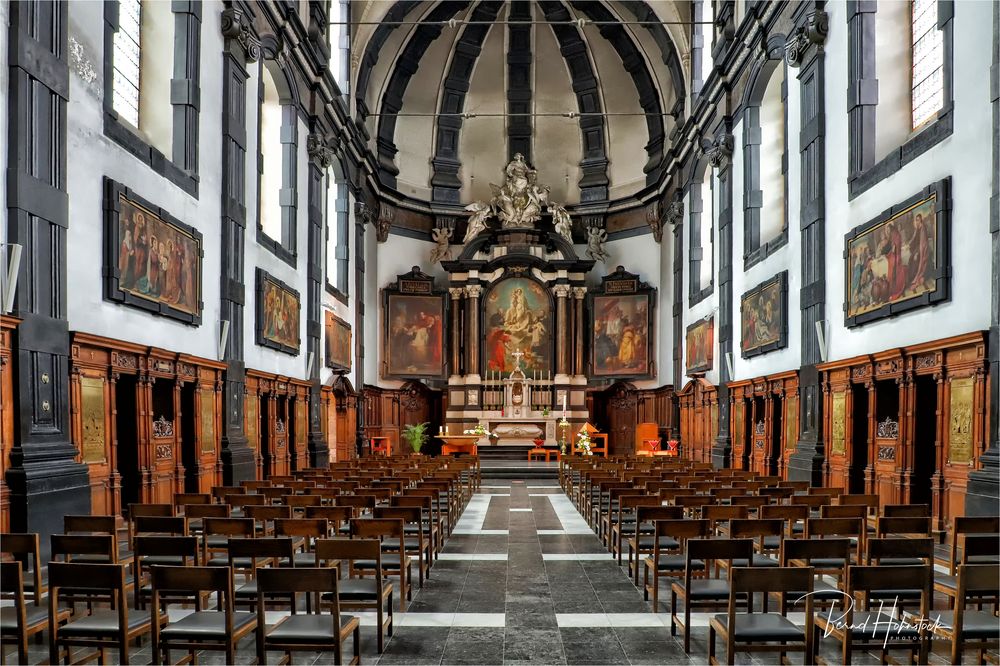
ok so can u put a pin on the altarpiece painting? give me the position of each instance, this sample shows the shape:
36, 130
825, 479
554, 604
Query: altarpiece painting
414, 317
622, 327
518, 317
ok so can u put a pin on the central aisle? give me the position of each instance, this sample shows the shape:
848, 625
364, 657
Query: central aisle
524, 580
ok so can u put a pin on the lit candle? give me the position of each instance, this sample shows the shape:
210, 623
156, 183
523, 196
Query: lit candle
441, 430
564, 405
446, 430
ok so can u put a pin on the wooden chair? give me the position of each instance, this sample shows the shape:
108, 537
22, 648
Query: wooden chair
964, 525
397, 563
264, 516
719, 516
310, 632
802, 552
965, 629
903, 526
794, 515
356, 593
869, 630
100, 629
762, 532
87, 525
84, 548
641, 541
758, 632
822, 528
844, 511
976, 549
162, 525
151, 550
413, 539
906, 511
215, 540
430, 522
261, 552
144, 511
625, 521
700, 554
25, 548
337, 518
21, 620
219, 630
644, 431
305, 532
195, 515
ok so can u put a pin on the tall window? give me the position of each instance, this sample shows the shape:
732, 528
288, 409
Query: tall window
270, 158
337, 228
340, 40
927, 70
127, 45
765, 161
707, 231
277, 162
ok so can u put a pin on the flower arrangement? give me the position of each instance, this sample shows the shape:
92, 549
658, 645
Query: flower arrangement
583, 442
480, 430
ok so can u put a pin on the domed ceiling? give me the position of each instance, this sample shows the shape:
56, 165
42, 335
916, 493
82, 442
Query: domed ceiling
588, 91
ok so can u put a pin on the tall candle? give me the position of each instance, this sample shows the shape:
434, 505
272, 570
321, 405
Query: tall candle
564, 405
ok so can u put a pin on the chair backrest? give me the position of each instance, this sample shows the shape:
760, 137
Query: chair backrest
230, 526
645, 514
906, 510
363, 503
318, 580
199, 511
680, 529
183, 581
13, 588
869, 501
823, 527
843, 511
187, 499
812, 501
89, 524
309, 528
880, 548
980, 546
335, 516
408, 514
963, 525
717, 513
811, 549
165, 546
26, 551
708, 550
381, 528
137, 510
103, 577
176, 525
328, 550
751, 501
862, 580
258, 549
903, 525
748, 580
756, 528
65, 546
978, 578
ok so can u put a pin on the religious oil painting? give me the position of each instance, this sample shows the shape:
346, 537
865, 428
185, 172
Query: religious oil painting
700, 346
764, 317
899, 260
278, 312
338, 343
623, 333
415, 336
518, 318
154, 261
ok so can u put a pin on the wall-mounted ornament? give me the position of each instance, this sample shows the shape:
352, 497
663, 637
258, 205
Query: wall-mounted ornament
561, 221
815, 30
236, 24
320, 151
476, 223
838, 432
383, 222
764, 317
442, 248
655, 219
152, 261
960, 415
92, 416
164, 452
900, 260
720, 151
278, 314
623, 328
886, 453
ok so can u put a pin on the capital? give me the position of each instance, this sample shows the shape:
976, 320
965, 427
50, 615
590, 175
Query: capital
237, 25
579, 292
456, 292
473, 291
320, 151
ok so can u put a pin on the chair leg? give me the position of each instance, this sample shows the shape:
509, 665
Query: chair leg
956, 651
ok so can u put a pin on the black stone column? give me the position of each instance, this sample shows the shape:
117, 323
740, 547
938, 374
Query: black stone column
678, 322
805, 51
44, 479
321, 158
241, 47
719, 155
363, 216
983, 492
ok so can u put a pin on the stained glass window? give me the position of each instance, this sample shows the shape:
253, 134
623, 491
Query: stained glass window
927, 72
127, 43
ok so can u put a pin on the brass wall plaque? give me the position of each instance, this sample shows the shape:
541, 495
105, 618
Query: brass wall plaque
251, 409
960, 421
791, 421
208, 422
838, 443
92, 412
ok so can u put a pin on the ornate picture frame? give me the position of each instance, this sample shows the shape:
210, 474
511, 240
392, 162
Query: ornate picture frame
699, 346
503, 334
279, 314
414, 317
900, 260
337, 343
622, 328
152, 261
764, 317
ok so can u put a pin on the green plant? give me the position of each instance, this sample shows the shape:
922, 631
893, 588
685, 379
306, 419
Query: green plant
416, 435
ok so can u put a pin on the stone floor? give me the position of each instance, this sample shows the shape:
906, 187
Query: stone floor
523, 580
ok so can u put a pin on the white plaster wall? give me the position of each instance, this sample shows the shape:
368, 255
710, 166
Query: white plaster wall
965, 156
4, 95
664, 311
708, 306
371, 322
258, 357
345, 311
482, 140
91, 156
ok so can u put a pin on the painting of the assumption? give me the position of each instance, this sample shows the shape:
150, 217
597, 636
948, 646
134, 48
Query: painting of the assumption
278, 315
157, 261
762, 314
621, 335
700, 345
415, 345
518, 316
894, 260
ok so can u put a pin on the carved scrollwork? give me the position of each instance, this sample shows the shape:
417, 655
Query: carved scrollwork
163, 428
412, 399
279, 426
888, 429
886, 453
236, 25
127, 361
383, 222
320, 151
758, 428
654, 218
164, 452
720, 151
814, 31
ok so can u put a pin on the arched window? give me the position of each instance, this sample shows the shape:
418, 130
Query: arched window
152, 60
337, 230
765, 161
340, 43
277, 134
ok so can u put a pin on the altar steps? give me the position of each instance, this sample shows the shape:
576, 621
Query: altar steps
510, 461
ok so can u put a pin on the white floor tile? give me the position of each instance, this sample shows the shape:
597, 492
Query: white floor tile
480, 557
575, 557
520, 509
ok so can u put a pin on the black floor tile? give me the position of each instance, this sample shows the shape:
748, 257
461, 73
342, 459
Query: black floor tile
592, 645
474, 646
533, 646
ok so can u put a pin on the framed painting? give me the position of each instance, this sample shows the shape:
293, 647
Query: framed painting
764, 317
278, 311
517, 317
338, 343
414, 319
699, 344
899, 261
152, 261
622, 328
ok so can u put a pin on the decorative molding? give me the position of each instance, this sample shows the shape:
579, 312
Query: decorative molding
237, 25
383, 222
720, 151
655, 219
320, 151
162, 428
815, 30
888, 429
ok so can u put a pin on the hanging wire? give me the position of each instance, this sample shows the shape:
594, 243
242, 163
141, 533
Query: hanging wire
470, 115
580, 23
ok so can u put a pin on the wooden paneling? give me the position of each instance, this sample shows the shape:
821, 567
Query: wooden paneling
698, 402
172, 442
617, 410
764, 422
388, 410
276, 413
7, 328
341, 419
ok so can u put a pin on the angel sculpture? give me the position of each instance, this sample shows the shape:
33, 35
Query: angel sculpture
442, 252
477, 221
595, 244
561, 220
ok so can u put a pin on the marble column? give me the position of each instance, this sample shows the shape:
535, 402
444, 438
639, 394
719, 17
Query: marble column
472, 294
564, 326
579, 334
456, 330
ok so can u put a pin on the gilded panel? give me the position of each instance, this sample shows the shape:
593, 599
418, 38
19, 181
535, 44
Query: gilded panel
93, 418
791, 421
252, 418
207, 423
838, 442
960, 422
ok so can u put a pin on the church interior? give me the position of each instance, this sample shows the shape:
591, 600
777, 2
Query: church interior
500, 331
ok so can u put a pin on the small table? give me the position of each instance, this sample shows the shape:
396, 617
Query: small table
539, 451
380, 445
459, 444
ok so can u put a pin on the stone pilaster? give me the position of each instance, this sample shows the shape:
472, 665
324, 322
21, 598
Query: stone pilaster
472, 294
455, 340
579, 334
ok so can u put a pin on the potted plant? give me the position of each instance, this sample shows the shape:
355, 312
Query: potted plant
416, 435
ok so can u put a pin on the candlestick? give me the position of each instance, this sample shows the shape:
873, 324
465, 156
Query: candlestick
564, 405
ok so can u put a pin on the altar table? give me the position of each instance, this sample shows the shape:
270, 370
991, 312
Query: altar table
459, 444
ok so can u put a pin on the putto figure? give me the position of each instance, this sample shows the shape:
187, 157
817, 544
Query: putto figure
595, 244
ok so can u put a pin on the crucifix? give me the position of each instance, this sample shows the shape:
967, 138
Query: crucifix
517, 358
